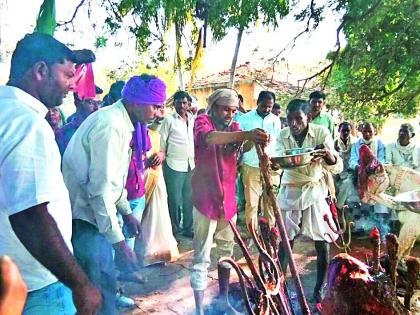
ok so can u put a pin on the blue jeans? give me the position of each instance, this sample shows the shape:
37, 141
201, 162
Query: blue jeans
137, 206
54, 299
94, 254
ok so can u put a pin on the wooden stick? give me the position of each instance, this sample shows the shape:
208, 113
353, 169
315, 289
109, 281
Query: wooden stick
264, 165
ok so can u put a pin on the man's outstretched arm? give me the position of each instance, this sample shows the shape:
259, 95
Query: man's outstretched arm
38, 232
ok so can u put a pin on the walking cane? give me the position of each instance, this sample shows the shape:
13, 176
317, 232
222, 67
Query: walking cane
264, 165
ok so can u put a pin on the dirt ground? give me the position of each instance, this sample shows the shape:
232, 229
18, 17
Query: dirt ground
168, 288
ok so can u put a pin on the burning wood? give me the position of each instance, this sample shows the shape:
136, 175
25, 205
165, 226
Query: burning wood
267, 279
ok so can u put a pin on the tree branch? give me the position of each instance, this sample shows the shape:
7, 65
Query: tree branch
292, 43
386, 94
411, 98
328, 69
74, 15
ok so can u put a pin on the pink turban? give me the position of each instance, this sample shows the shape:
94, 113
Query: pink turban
141, 91
85, 81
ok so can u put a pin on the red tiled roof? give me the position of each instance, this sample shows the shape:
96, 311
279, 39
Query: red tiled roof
245, 73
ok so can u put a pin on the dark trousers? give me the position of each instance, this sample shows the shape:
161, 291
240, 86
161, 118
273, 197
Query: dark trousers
178, 186
94, 254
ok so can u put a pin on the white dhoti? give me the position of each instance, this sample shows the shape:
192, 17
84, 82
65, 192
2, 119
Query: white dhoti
310, 222
303, 190
347, 191
303, 202
409, 233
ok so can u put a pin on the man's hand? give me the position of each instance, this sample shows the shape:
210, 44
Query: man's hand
132, 224
37, 230
275, 167
125, 258
12, 288
87, 299
156, 159
325, 154
259, 136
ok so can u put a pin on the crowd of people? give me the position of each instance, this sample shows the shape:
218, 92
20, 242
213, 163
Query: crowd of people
84, 202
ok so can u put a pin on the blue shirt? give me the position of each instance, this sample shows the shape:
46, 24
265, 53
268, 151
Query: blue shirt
238, 115
378, 149
270, 123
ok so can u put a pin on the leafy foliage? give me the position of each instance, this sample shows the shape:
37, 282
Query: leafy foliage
378, 74
226, 14
152, 19
163, 71
374, 74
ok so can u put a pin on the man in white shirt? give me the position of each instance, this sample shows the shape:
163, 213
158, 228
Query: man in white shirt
35, 214
303, 191
264, 119
95, 167
405, 151
177, 141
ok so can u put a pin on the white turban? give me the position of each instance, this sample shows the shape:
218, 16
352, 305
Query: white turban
222, 97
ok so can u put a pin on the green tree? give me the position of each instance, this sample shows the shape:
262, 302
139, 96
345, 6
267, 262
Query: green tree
150, 23
163, 71
241, 15
376, 73
152, 20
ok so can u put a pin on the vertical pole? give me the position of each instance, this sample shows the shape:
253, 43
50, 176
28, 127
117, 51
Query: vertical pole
264, 164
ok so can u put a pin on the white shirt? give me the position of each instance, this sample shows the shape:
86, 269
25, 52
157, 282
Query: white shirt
302, 187
95, 168
408, 156
177, 141
270, 123
29, 175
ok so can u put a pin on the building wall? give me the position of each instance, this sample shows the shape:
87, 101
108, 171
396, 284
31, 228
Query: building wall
201, 95
246, 89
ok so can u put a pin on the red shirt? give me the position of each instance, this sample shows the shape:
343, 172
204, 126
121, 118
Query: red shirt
214, 177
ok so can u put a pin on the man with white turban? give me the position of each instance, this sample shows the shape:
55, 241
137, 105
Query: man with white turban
217, 140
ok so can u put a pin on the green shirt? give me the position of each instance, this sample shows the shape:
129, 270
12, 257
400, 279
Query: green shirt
326, 120
95, 168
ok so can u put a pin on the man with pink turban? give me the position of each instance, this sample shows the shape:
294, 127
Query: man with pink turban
95, 167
